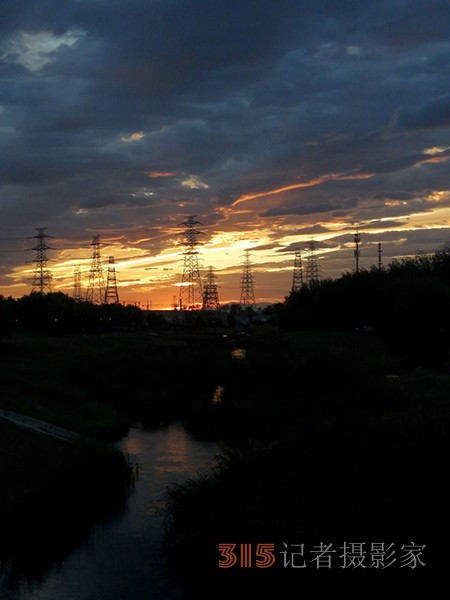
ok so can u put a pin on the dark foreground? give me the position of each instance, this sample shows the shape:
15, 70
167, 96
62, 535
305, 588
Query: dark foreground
336, 462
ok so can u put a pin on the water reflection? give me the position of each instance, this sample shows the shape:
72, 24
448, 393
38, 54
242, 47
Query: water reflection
238, 353
218, 394
125, 557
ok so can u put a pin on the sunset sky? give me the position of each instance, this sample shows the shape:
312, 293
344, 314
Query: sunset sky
273, 122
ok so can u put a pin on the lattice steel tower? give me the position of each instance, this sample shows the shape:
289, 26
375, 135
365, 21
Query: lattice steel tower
96, 286
77, 294
210, 291
247, 292
297, 280
190, 296
42, 277
312, 268
111, 293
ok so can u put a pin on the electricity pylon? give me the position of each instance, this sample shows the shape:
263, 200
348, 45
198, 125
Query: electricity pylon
111, 293
190, 296
312, 268
297, 280
210, 291
42, 277
96, 286
77, 293
247, 298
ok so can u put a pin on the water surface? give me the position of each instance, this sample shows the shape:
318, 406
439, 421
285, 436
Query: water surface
125, 558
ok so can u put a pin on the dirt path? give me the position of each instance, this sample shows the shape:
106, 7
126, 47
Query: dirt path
39, 426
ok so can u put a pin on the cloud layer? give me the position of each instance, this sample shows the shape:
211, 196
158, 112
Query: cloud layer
265, 119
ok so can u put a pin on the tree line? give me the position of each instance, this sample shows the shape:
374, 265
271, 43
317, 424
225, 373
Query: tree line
57, 313
406, 302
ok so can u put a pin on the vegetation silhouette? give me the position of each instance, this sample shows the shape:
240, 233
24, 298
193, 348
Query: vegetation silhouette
53, 494
405, 303
337, 430
335, 425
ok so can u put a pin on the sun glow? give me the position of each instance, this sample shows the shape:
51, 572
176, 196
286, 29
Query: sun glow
151, 265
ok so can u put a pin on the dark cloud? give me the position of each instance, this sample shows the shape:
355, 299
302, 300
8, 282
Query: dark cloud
265, 247
379, 225
313, 230
310, 208
434, 114
232, 98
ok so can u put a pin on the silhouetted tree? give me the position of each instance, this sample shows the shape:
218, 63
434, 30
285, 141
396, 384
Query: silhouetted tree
407, 303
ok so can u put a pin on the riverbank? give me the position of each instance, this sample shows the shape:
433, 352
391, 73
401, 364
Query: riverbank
52, 489
53, 492
332, 440
94, 386
330, 437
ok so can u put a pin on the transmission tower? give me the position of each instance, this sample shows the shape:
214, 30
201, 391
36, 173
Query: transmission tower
312, 268
210, 291
96, 286
77, 294
42, 277
380, 264
111, 293
190, 297
247, 293
297, 280
357, 251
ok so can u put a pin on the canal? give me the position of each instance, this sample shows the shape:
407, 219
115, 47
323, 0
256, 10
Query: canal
125, 557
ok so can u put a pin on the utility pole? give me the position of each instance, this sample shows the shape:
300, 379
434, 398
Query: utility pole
42, 277
190, 296
210, 291
96, 287
247, 299
357, 252
380, 264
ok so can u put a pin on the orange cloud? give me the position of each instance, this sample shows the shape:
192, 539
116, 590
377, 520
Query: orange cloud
133, 137
304, 184
436, 158
153, 174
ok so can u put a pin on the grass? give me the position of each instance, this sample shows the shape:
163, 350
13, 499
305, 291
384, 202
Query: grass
53, 491
321, 445
95, 385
